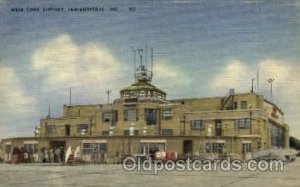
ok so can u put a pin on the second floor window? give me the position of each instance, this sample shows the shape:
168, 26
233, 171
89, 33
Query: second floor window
51, 129
82, 128
167, 114
197, 125
131, 115
150, 116
242, 123
244, 105
110, 117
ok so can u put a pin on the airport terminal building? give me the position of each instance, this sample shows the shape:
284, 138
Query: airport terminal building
142, 119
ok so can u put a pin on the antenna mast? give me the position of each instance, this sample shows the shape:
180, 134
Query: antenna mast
108, 92
70, 102
146, 56
271, 80
151, 63
142, 73
252, 86
134, 61
49, 112
141, 56
257, 81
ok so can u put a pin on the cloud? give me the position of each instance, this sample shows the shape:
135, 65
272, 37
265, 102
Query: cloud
235, 75
92, 69
57, 60
13, 98
89, 67
16, 105
286, 90
164, 74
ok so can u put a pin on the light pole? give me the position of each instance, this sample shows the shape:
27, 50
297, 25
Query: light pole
270, 81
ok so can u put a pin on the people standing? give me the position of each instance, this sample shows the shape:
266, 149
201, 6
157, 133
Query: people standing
46, 155
51, 155
62, 154
57, 154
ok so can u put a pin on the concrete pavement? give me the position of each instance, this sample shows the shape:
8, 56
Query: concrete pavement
114, 175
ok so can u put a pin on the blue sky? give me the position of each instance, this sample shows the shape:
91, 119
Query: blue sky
201, 49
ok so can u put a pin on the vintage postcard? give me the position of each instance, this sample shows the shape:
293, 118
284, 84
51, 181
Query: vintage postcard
149, 93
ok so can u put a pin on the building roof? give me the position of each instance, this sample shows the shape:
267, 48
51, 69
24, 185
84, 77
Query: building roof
142, 85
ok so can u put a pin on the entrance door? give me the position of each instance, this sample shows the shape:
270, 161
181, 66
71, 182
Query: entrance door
58, 150
67, 130
187, 146
218, 127
58, 144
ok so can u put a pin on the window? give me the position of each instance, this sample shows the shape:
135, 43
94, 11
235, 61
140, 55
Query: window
8, 149
214, 148
150, 116
142, 93
67, 130
51, 129
133, 94
127, 132
246, 147
277, 135
197, 125
167, 114
244, 105
92, 148
131, 115
105, 133
30, 148
126, 95
242, 123
235, 105
110, 117
167, 132
82, 128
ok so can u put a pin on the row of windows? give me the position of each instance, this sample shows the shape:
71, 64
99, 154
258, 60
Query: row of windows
243, 105
197, 125
81, 128
151, 116
94, 148
239, 124
242, 123
277, 135
219, 148
127, 132
29, 148
142, 93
